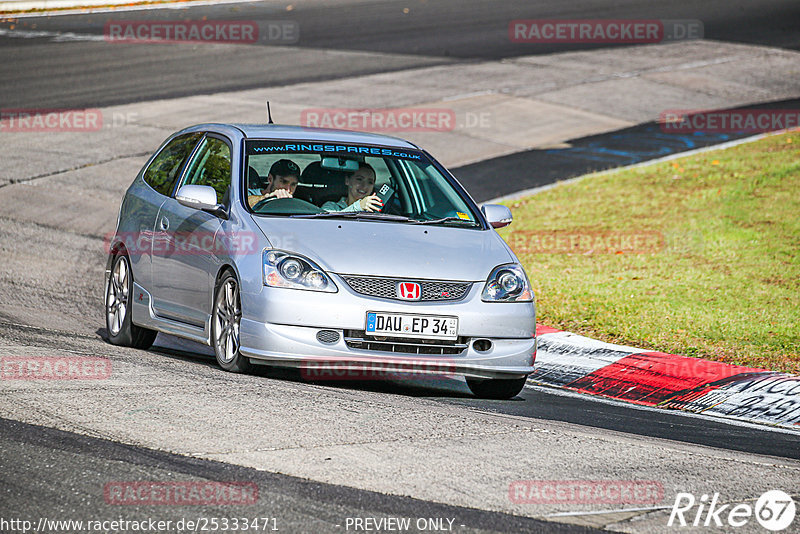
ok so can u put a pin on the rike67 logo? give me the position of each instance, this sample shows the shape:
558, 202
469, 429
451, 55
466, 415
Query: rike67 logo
774, 510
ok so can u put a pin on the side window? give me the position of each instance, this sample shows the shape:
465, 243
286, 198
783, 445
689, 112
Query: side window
211, 166
163, 170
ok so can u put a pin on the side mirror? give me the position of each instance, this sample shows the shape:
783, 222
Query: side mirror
200, 197
497, 215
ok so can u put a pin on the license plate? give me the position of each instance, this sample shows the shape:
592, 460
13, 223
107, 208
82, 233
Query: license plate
409, 325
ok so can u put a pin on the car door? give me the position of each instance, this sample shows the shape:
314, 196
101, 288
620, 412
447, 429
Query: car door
184, 259
146, 196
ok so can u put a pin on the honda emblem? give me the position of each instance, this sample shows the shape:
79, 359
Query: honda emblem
408, 290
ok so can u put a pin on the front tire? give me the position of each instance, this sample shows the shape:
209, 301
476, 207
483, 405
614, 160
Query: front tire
225, 321
121, 330
496, 388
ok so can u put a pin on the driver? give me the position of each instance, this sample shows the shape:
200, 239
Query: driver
282, 180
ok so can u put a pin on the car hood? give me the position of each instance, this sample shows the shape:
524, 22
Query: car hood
377, 248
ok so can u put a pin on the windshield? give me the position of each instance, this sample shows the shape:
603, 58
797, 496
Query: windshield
354, 181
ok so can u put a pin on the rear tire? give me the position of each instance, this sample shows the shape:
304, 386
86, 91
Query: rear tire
121, 330
225, 320
496, 388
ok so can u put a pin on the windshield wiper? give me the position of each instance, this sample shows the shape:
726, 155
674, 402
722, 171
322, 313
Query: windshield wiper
354, 215
445, 220
376, 215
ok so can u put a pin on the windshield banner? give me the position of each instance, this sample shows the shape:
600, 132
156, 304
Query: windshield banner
339, 149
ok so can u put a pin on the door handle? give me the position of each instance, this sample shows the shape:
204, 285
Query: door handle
164, 223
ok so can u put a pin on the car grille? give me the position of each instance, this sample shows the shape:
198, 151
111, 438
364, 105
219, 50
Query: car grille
386, 288
357, 339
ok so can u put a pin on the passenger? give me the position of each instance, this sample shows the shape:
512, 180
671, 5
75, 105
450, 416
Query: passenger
282, 180
360, 195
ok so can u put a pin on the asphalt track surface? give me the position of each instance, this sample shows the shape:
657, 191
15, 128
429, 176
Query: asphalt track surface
45, 472
538, 402
45, 72
539, 167
80, 466
541, 402
41, 72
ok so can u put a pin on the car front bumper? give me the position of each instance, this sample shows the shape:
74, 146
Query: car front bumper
280, 326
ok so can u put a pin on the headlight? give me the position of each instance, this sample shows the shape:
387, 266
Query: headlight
284, 269
507, 283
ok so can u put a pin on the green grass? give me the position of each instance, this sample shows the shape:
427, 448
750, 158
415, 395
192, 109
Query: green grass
724, 286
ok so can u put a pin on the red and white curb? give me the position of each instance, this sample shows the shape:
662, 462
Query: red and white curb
668, 381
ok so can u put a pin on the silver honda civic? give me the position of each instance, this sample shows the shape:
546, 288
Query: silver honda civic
343, 254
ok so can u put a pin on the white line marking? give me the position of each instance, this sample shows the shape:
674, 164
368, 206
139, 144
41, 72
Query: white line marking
56, 37
122, 8
598, 512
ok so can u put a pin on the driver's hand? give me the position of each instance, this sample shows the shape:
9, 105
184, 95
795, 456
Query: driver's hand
371, 203
278, 193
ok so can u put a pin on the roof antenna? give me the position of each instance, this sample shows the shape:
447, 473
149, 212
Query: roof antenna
269, 114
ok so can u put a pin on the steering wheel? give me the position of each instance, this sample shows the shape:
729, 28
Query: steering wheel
284, 205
